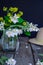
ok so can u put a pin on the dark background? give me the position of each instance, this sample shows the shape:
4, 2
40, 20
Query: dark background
33, 9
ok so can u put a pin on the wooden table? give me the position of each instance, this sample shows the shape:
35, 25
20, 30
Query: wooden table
24, 54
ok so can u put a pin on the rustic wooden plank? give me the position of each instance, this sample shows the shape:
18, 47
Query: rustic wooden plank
24, 56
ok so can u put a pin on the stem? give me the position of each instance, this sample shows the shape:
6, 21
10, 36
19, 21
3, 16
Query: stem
16, 26
20, 26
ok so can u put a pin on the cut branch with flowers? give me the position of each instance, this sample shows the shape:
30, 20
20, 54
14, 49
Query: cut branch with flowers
14, 23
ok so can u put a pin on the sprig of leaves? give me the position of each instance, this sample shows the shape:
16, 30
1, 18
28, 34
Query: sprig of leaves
3, 59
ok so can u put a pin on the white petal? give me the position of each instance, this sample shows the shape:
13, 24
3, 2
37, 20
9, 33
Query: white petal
15, 16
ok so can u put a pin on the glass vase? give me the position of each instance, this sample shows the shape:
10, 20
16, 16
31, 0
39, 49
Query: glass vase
9, 43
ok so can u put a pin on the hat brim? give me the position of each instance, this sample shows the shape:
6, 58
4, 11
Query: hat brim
35, 41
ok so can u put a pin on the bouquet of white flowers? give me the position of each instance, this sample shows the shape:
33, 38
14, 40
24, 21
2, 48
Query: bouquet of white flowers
13, 19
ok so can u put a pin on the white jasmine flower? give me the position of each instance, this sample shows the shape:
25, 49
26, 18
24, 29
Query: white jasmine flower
11, 61
14, 19
38, 62
13, 32
1, 26
17, 31
33, 27
9, 33
20, 31
2, 23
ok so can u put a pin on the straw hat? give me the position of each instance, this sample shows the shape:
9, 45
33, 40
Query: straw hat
39, 38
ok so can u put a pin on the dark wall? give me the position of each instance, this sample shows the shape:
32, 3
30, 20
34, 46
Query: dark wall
33, 9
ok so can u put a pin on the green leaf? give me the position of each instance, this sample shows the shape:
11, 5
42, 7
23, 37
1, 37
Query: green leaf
1, 62
6, 18
20, 20
4, 58
41, 60
40, 54
27, 33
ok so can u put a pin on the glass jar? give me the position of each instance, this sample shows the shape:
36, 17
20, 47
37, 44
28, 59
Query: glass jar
9, 43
